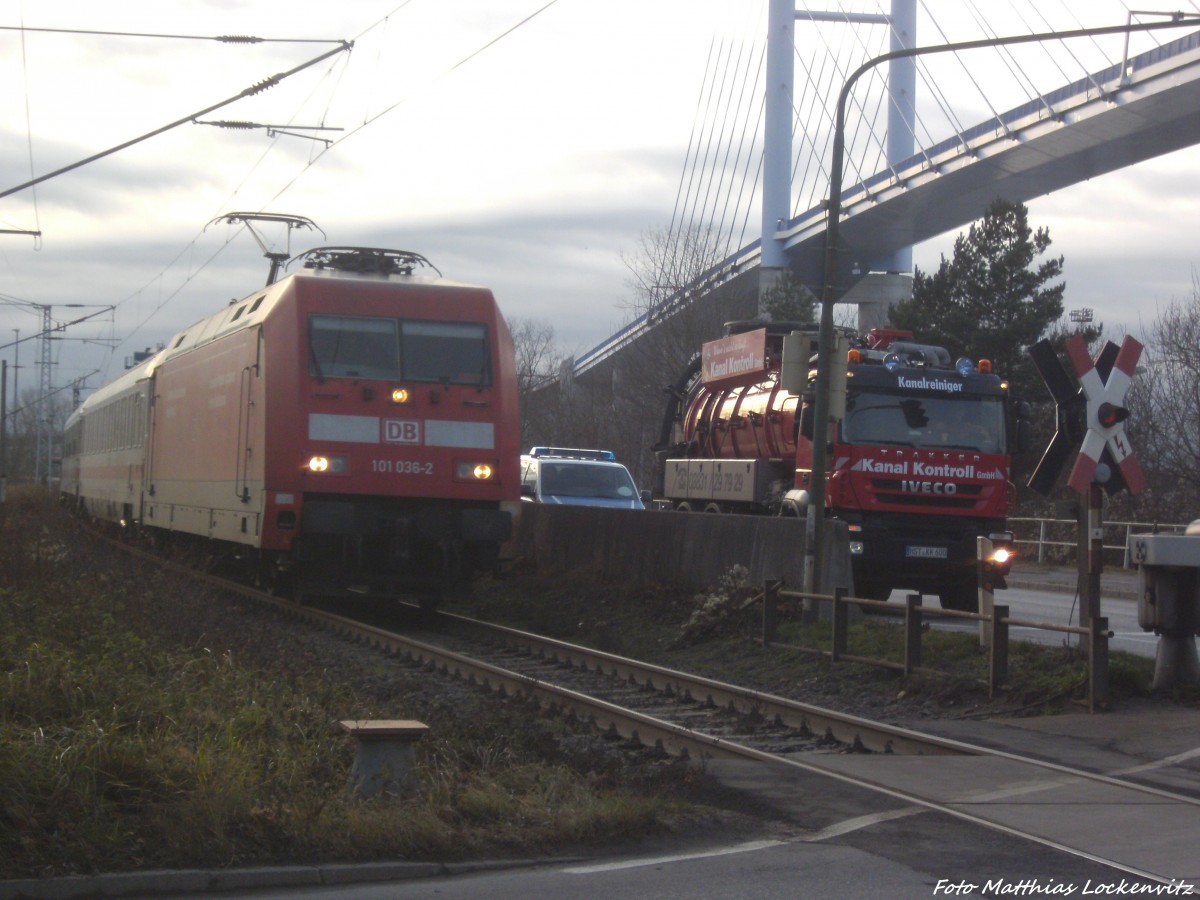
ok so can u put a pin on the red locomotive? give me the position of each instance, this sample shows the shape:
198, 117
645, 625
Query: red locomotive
350, 427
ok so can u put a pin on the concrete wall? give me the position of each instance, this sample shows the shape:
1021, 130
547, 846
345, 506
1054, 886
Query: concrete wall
689, 549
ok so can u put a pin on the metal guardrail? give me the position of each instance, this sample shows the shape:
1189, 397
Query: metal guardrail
1057, 540
993, 634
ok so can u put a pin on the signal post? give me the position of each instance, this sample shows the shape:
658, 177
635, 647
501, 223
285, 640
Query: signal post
1090, 416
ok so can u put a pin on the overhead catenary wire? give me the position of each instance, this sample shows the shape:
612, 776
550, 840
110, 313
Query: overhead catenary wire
29, 135
223, 38
314, 157
266, 83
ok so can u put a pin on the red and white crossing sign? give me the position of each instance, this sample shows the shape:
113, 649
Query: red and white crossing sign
1106, 415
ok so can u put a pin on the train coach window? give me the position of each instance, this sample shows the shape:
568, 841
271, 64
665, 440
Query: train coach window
354, 347
448, 352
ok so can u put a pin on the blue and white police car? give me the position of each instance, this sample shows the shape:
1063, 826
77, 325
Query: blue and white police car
578, 478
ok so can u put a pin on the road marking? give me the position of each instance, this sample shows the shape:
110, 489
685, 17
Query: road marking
860, 822
1160, 764
659, 860
837, 830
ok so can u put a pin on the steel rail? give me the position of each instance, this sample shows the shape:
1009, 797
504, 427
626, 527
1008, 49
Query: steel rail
880, 736
846, 728
672, 738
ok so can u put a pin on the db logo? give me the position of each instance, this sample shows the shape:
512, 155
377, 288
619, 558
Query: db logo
401, 431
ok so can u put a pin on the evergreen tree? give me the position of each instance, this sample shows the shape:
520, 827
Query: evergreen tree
990, 301
789, 300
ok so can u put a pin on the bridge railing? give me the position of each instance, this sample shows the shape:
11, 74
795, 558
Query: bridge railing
1057, 541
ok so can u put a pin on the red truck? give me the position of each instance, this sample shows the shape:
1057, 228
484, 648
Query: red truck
919, 463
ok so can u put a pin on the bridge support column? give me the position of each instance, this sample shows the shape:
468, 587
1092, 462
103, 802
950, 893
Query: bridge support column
875, 295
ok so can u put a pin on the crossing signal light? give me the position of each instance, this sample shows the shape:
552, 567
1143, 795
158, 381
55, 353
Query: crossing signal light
1109, 414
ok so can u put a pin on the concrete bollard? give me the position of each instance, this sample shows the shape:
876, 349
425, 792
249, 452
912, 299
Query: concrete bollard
385, 758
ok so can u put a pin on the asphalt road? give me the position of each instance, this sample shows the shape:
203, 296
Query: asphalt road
1048, 596
1063, 609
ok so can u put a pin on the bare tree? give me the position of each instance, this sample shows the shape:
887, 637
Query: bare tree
537, 359
24, 427
670, 271
1164, 404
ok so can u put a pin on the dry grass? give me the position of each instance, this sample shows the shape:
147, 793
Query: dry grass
147, 724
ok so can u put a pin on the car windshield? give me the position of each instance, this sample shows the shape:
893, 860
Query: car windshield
583, 480
941, 422
393, 349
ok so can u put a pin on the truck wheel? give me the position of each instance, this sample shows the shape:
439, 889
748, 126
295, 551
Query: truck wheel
960, 596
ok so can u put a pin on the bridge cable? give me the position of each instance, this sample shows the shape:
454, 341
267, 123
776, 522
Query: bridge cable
688, 234
717, 173
752, 167
748, 81
814, 107
679, 192
854, 137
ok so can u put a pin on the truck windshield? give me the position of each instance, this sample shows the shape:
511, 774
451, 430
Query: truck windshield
929, 420
393, 349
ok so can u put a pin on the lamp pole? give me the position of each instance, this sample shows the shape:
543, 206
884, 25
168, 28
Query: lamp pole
833, 222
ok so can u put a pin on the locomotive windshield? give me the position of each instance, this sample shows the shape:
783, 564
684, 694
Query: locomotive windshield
394, 349
953, 422
453, 352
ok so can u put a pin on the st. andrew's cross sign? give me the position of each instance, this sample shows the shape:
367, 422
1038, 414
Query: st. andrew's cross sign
1092, 416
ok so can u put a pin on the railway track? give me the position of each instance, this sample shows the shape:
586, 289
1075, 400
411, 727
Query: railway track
670, 712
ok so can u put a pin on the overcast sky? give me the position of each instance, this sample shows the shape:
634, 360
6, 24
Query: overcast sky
532, 165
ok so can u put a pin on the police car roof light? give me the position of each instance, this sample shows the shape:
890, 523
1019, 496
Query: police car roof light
571, 453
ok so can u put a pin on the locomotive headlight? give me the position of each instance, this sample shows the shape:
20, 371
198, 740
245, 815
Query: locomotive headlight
321, 464
400, 395
475, 471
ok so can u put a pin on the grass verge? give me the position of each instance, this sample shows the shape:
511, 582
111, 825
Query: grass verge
146, 724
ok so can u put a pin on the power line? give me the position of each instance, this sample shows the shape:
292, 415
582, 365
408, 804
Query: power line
224, 38
311, 162
258, 88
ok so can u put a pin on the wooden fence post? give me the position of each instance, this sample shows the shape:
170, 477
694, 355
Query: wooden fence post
770, 610
1097, 663
912, 632
840, 619
998, 655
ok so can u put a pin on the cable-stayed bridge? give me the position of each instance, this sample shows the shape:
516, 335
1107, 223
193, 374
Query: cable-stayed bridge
1135, 107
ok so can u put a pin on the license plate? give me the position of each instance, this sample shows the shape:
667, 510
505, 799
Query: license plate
926, 552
